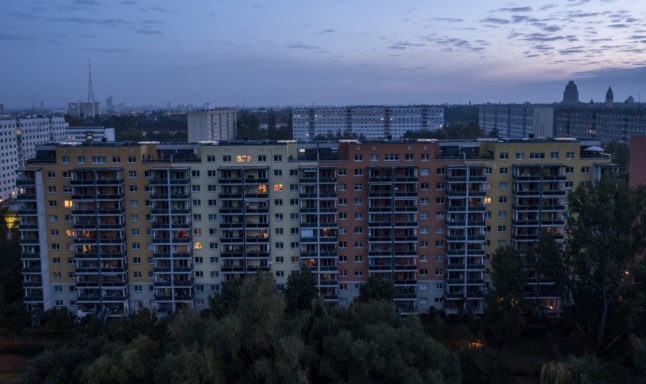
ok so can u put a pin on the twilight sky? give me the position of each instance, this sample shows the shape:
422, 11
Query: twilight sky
278, 52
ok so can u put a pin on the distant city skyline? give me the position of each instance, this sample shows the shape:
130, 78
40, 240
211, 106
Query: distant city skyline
328, 53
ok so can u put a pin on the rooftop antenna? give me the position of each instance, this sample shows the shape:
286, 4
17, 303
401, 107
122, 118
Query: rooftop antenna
90, 90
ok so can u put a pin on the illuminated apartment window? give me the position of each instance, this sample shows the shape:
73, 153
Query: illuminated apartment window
243, 158
278, 187
69, 204
198, 246
262, 188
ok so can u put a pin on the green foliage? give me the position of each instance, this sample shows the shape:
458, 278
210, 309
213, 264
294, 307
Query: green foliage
470, 130
576, 370
484, 365
620, 155
227, 300
301, 291
377, 289
608, 231
248, 126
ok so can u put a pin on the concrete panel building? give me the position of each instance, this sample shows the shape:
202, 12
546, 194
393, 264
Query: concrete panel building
371, 122
212, 124
517, 120
108, 228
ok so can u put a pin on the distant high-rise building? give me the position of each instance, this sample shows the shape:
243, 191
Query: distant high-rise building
514, 120
81, 109
610, 96
371, 122
212, 124
1, 108
109, 106
571, 94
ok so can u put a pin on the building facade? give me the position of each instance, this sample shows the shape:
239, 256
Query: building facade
371, 122
109, 228
84, 109
212, 124
517, 120
79, 134
618, 124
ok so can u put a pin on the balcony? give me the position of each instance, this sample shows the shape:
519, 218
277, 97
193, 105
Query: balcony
167, 181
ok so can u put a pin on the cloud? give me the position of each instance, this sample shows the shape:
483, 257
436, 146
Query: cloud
552, 28
107, 50
401, 45
150, 31
546, 7
572, 50
303, 46
447, 19
418, 68
542, 37
111, 23
578, 14
516, 9
495, 20
574, 3
328, 31
618, 26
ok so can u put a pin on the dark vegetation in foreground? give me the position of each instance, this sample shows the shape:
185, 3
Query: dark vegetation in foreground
252, 333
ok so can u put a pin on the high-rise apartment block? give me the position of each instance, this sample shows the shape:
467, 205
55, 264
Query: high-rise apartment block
618, 123
83, 109
211, 124
371, 122
109, 228
20, 136
517, 120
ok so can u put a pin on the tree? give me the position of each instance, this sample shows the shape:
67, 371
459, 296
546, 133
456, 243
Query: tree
608, 231
547, 267
505, 301
377, 289
620, 155
227, 300
301, 291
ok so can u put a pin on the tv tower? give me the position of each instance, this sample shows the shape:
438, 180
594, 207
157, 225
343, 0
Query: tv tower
90, 90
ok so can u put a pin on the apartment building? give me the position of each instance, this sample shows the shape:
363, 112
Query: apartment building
211, 124
110, 228
371, 122
517, 120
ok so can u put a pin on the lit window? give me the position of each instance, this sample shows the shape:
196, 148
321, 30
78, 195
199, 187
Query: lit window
278, 187
243, 158
69, 204
198, 246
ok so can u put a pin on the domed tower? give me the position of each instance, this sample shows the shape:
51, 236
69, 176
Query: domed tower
610, 98
571, 94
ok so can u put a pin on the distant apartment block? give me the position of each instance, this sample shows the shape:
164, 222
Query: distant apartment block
618, 123
79, 134
637, 163
371, 122
20, 136
517, 120
212, 124
84, 109
109, 228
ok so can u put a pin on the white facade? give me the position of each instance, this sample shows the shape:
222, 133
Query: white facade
18, 140
371, 122
213, 124
80, 134
83, 109
517, 120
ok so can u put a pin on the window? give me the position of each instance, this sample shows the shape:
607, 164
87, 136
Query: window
423, 215
423, 272
52, 203
80, 159
293, 216
503, 170
279, 245
53, 218
569, 155
98, 159
195, 173
423, 172
502, 214
132, 174
502, 185
197, 217
439, 186
225, 158
343, 201
343, 216
358, 230
134, 203
358, 172
554, 155
343, 259
278, 202
136, 275
211, 188
65, 159
197, 231
358, 187
67, 189
504, 155
424, 229
438, 201
439, 243
569, 170
278, 172
374, 157
293, 201
439, 272
278, 216
132, 188
423, 244
502, 199
278, 231
293, 172
136, 260
243, 158
134, 218
343, 244
67, 174
51, 189
342, 172
358, 201
358, 157
293, 245
56, 260
262, 158
116, 159
425, 157
439, 215
585, 169
210, 173
132, 159
358, 258
424, 200
409, 157
56, 247
568, 185
136, 246
134, 231
278, 187
424, 186
520, 156
197, 203
195, 188
278, 158
391, 157
440, 171
536, 155
502, 228
51, 175
293, 187
294, 230
358, 215
358, 273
